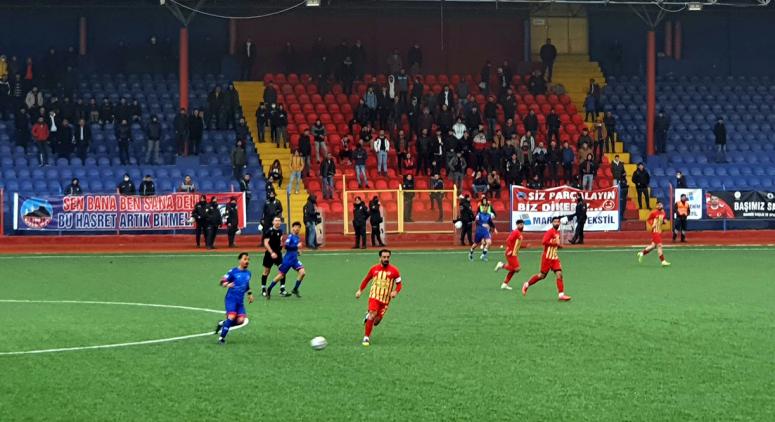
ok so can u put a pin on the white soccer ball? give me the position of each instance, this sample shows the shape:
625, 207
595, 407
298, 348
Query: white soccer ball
564, 220
458, 224
318, 343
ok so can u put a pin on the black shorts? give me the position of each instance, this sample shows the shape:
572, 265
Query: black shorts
268, 261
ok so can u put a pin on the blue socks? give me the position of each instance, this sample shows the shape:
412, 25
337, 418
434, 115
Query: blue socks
271, 286
298, 284
225, 328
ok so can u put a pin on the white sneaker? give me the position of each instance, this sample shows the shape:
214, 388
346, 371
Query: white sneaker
665, 264
505, 286
365, 342
640, 257
498, 266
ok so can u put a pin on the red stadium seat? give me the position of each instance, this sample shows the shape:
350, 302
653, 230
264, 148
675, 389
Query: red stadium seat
293, 78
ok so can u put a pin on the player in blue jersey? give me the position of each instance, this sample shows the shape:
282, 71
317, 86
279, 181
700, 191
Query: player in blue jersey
237, 283
290, 260
484, 225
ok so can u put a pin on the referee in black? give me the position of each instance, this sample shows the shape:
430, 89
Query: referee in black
273, 244
581, 220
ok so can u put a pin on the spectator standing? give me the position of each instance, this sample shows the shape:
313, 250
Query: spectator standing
360, 156
402, 85
548, 55
244, 186
66, 140
40, 134
617, 169
554, 159
147, 187
600, 137
394, 63
198, 214
187, 185
270, 96
248, 56
414, 59
239, 159
311, 220
213, 219
153, 136
262, 120
540, 158
624, 190
327, 172
553, 126
34, 99
661, 127
279, 123
381, 147
610, 131
720, 133
423, 153
272, 208
590, 108
358, 56
196, 130
360, 214
126, 186
319, 132
74, 188
408, 187
297, 166
22, 125
305, 150
494, 184
457, 166
124, 136
531, 122
641, 179
491, 115
437, 197
484, 78
480, 184
231, 106
587, 170
180, 123
680, 180
375, 218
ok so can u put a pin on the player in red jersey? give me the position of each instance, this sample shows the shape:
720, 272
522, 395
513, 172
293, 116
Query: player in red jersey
513, 243
550, 260
654, 224
385, 285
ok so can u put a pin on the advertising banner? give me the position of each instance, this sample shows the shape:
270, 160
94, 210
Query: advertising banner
114, 212
537, 207
695, 199
740, 204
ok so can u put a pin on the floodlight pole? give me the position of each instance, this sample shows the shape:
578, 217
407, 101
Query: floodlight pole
183, 63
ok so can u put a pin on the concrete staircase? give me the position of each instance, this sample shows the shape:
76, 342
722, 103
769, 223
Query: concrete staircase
574, 72
250, 94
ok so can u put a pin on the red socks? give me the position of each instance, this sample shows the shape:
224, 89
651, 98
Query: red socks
661, 258
508, 277
560, 286
533, 280
369, 327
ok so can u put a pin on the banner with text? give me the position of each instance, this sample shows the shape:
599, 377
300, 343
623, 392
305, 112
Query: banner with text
537, 207
740, 204
114, 212
695, 199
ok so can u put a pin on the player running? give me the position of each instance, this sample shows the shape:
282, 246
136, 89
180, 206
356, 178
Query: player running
273, 243
513, 243
385, 285
484, 225
290, 260
654, 224
237, 281
550, 260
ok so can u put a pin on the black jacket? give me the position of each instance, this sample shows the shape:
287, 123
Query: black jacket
232, 216
641, 178
196, 127
200, 212
375, 217
327, 168
126, 188
73, 190
548, 53
244, 186
581, 212
181, 125
86, 135
311, 214
305, 145
272, 209
720, 131
147, 188
360, 214
360, 156
124, 133
213, 215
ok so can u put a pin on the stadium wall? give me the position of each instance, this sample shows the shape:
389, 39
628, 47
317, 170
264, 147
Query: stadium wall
716, 41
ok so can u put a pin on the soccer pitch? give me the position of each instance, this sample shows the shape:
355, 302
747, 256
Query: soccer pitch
638, 342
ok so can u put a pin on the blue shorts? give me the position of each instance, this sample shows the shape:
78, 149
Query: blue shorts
289, 263
235, 307
480, 236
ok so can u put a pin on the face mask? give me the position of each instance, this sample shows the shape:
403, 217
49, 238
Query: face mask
126, 179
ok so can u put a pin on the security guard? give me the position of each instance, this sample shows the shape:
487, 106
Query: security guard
682, 210
212, 221
232, 221
198, 214
581, 220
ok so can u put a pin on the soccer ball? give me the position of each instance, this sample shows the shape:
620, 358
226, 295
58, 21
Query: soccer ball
564, 220
318, 343
458, 224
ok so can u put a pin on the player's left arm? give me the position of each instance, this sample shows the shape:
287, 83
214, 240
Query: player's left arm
395, 291
250, 293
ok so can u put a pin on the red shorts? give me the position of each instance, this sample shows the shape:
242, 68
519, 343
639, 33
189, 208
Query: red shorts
550, 264
377, 307
513, 262
656, 238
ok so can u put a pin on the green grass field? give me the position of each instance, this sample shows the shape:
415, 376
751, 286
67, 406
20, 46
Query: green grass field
638, 342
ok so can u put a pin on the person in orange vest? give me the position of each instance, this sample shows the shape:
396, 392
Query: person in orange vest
682, 210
